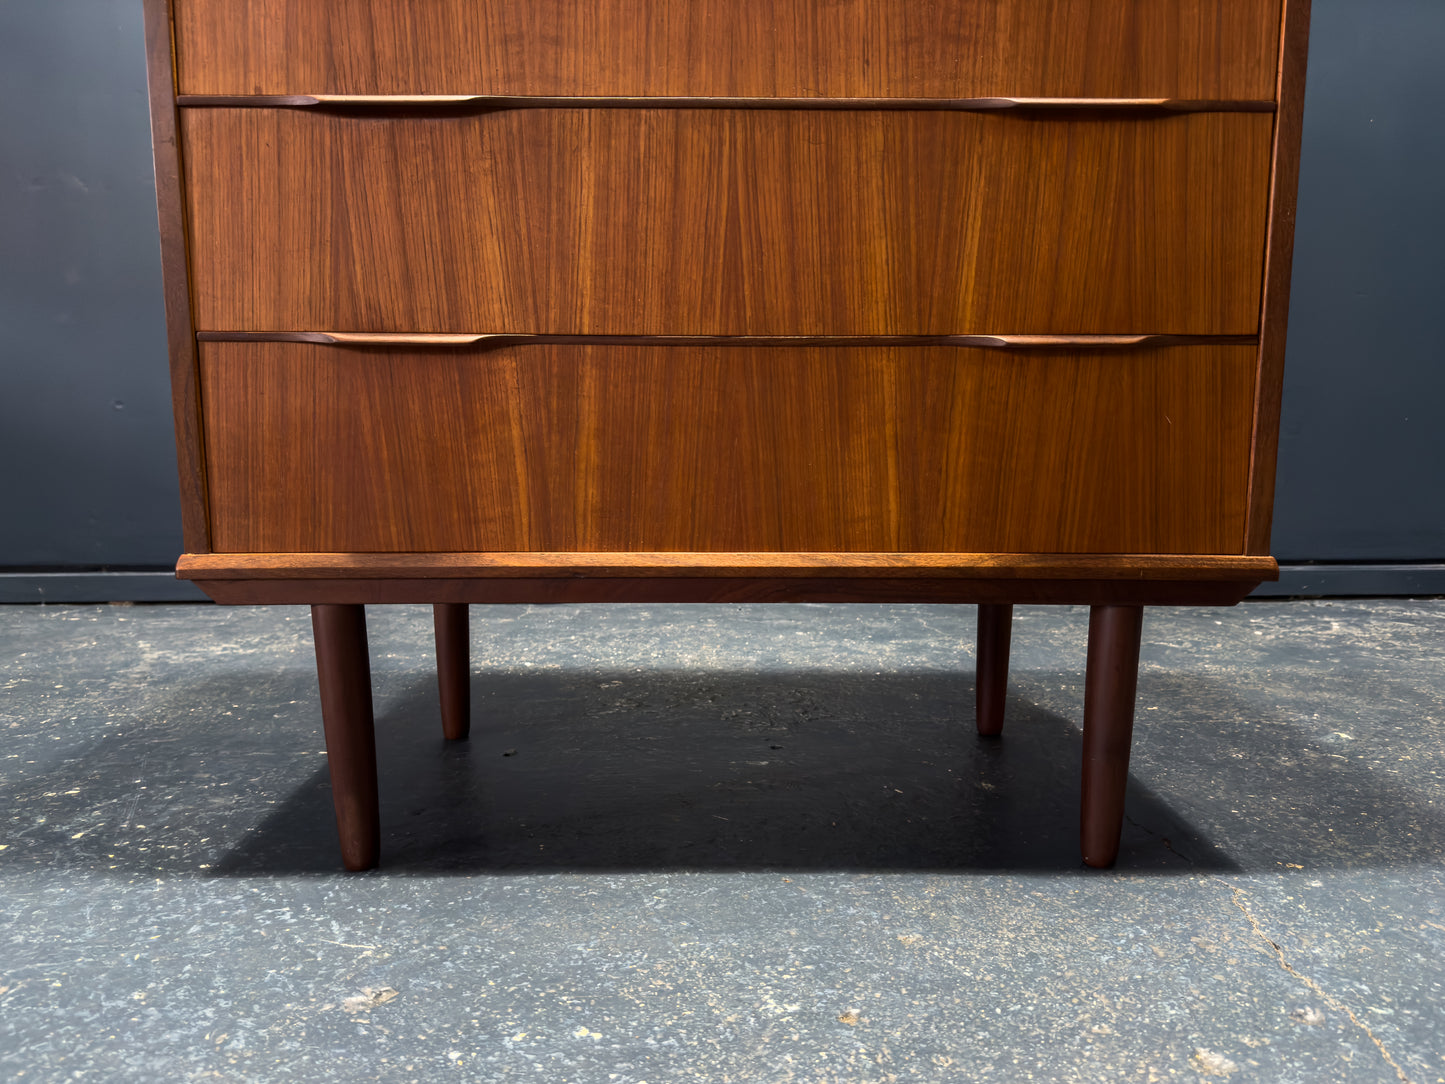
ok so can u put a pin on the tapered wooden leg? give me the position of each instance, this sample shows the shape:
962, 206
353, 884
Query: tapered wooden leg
1111, 676
995, 626
454, 676
345, 674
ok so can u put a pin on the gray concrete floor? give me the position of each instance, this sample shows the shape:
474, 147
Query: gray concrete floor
722, 843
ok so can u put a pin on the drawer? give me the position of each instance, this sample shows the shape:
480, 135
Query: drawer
313, 448
765, 48
720, 221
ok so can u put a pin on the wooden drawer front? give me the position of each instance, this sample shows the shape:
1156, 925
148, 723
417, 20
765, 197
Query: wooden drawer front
593, 448
620, 221
766, 48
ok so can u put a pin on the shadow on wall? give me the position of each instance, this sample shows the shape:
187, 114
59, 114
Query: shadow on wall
721, 770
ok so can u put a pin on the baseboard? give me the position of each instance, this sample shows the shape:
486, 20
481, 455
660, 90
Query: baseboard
1355, 580
1295, 581
158, 586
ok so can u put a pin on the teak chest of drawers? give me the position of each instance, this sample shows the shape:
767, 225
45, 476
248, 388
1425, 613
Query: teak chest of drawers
974, 301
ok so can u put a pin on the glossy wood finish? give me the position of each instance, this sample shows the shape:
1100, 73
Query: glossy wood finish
396, 104
490, 447
344, 670
180, 339
489, 340
1141, 567
748, 222
1278, 259
1118, 48
545, 590
454, 676
1110, 680
560, 449
995, 629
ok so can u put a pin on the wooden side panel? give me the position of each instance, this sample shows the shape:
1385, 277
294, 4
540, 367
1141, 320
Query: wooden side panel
171, 216
726, 222
592, 448
765, 48
1279, 256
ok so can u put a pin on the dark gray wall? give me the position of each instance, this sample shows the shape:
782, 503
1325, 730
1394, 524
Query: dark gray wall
1362, 442
85, 431
88, 472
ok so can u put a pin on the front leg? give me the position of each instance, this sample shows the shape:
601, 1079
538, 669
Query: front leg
344, 671
1111, 676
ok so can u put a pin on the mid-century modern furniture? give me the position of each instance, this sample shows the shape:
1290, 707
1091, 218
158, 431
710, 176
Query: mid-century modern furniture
975, 301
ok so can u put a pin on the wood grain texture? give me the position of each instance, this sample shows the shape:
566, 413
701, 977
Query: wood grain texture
857, 48
652, 590
1279, 257
930, 566
488, 341
175, 279
401, 104
726, 222
557, 449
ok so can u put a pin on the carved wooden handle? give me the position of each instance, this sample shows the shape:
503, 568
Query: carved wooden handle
987, 342
490, 102
1104, 342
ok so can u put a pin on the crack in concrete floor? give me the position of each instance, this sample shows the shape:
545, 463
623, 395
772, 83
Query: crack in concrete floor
1239, 895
